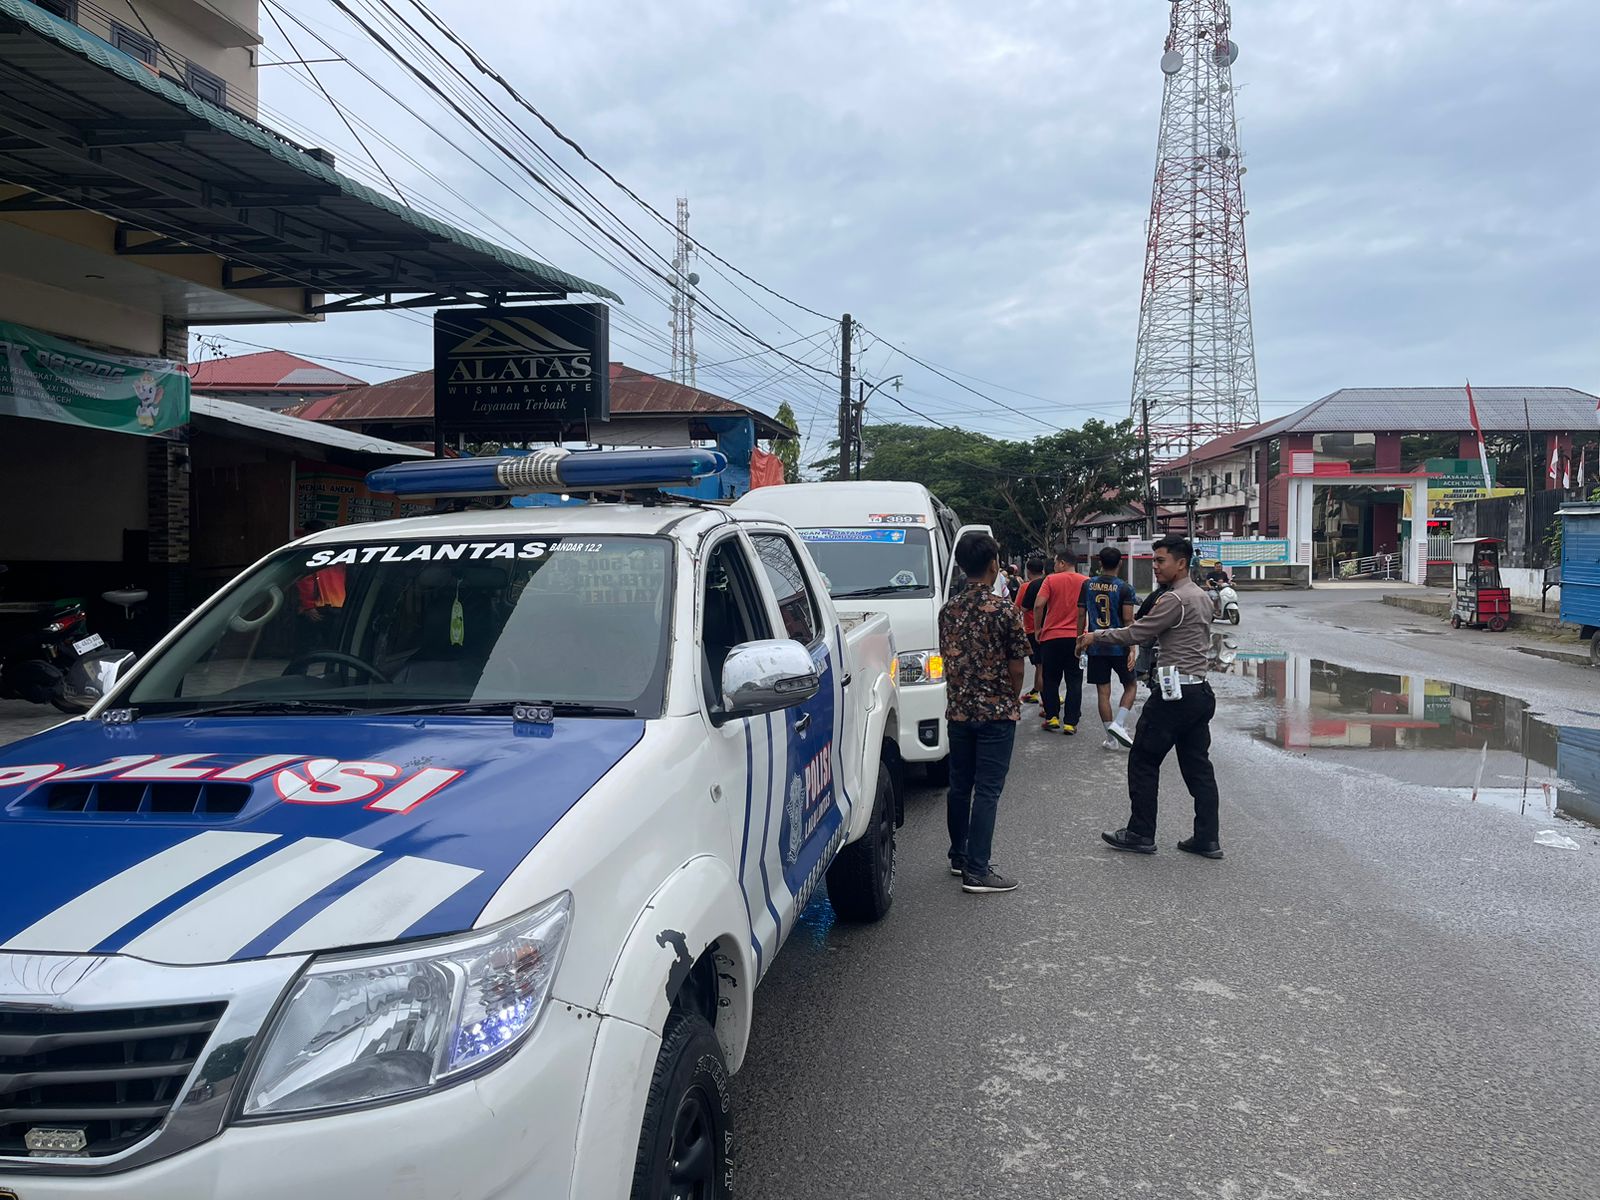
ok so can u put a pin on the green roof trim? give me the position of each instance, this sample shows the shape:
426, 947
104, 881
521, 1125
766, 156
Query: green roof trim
105, 56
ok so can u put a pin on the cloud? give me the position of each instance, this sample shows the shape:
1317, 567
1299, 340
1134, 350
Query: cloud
971, 181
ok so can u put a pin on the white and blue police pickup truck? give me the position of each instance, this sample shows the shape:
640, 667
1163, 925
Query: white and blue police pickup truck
440, 856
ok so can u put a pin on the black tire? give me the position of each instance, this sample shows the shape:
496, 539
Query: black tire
686, 1144
68, 706
1498, 624
938, 773
1455, 621
861, 880
1233, 615
1594, 650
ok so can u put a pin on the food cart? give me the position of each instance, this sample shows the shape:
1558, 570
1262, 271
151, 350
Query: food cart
1477, 598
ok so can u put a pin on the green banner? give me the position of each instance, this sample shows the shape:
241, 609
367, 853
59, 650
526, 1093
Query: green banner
51, 379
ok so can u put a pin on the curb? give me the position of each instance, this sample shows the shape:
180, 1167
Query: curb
1428, 605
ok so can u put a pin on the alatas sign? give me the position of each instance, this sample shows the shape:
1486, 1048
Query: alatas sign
517, 373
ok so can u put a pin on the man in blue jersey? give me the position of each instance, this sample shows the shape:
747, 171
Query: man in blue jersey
1108, 603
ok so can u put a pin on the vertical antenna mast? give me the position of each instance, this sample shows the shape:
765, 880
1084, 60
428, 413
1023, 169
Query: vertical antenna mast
683, 284
1194, 374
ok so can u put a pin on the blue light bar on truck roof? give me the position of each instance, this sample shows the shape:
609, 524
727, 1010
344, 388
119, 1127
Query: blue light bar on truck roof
547, 471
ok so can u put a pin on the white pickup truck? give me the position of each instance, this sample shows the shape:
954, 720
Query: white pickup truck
440, 857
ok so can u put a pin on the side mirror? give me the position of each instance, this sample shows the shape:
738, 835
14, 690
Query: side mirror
91, 678
766, 676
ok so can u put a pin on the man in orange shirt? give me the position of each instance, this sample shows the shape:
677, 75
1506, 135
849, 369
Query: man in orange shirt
1055, 615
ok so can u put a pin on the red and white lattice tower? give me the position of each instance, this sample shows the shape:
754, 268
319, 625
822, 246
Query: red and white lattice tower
1194, 375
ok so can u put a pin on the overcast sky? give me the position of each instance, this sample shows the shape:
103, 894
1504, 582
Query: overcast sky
971, 181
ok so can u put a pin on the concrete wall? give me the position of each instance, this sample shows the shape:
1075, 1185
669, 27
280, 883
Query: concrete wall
1525, 583
79, 317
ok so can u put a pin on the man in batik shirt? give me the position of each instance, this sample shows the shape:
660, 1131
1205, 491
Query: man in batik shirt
984, 648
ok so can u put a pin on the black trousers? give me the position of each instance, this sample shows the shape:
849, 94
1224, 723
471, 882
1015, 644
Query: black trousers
1183, 725
1058, 659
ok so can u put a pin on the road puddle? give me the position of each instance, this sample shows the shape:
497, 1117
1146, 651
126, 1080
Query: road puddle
1464, 741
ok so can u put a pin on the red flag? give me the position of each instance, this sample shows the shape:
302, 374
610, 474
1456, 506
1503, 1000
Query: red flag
1483, 449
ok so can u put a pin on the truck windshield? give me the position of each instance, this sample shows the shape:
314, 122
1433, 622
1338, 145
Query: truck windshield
581, 622
863, 563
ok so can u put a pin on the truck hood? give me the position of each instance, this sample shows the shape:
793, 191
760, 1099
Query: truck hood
915, 623
205, 840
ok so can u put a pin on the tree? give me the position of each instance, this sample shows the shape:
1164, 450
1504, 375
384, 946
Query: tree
787, 450
1054, 482
1032, 494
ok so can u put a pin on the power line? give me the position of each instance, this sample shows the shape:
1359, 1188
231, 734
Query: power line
333, 104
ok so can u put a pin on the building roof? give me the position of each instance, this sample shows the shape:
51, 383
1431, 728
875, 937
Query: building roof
1217, 448
1437, 410
634, 393
95, 128
269, 371
309, 433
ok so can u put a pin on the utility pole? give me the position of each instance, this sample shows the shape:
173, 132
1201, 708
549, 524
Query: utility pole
846, 422
1527, 492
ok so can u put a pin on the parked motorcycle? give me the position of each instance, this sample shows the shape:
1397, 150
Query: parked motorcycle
49, 656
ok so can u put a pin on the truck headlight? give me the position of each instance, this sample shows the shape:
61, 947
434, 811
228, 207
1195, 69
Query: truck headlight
919, 666
368, 1028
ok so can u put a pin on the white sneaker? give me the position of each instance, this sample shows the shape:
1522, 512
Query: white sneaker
1110, 744
1121, 735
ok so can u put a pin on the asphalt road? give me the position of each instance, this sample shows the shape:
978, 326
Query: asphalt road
1383, 992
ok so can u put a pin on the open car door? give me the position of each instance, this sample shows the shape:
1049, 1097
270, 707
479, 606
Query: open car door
957, 578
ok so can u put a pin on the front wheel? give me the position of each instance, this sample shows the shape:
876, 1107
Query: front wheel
1594, 650
1498, 624
1455, 620
686, 1145
1233, 615
861, 880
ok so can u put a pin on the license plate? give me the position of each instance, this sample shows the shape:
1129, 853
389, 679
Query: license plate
93, 642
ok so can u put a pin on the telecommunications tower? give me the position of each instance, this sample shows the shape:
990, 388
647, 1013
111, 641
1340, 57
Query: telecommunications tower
683, 284
1194, 375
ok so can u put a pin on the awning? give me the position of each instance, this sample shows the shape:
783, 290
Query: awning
212, 415
86, 126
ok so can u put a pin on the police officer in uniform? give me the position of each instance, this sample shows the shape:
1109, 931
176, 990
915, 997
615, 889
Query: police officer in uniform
1177, 619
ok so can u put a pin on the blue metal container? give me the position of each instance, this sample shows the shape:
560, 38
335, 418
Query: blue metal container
1580, 571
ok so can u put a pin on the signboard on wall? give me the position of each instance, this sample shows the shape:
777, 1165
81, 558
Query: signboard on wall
516, 374
337, 496
51, 379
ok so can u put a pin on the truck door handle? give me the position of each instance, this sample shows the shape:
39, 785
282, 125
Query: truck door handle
803, 724
845, 682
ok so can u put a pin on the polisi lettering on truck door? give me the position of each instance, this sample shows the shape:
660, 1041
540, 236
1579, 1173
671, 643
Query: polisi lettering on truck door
812, 822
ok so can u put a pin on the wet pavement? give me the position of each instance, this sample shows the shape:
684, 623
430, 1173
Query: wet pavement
1387, 990
1470, 743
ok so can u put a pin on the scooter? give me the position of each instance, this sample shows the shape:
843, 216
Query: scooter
1225, 602
48, 656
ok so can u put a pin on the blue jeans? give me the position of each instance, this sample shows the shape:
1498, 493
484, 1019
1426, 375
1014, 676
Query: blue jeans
980, 756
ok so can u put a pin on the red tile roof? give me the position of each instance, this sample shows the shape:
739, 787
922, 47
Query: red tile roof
268, 371
633, 393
